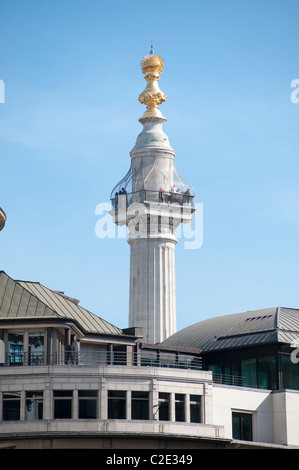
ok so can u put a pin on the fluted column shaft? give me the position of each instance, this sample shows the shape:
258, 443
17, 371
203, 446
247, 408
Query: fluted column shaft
152, 288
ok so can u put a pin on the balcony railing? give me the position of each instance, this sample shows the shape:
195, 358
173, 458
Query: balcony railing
192, 363
24, 359
103, 358
124, 200
227, 379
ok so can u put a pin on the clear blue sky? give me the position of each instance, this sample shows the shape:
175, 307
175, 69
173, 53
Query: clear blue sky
70, 118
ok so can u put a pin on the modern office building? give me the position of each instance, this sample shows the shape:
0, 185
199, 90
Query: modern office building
69, 379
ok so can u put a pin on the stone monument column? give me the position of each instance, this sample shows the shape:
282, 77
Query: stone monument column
152, 210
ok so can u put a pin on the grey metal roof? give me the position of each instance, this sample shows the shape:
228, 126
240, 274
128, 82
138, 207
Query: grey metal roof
272, 325
21, 299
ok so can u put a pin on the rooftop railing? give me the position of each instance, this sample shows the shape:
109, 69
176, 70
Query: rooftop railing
124, 200
103, 358
119, 358
227, 379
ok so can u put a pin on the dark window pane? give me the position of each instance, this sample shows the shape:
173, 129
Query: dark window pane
87, 409
144, 395
195, 408
247, 427
231, 374
242, 426
88, 393
88, 404
267, 373
236, 426
62, 409
290, 373
11, 406
164, 406
140, 405
115, 394
215, 368
63, 393
63, 404
248, 371
116, 404
179, 407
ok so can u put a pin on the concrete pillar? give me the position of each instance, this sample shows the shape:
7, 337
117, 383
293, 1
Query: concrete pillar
75, 405
129, 404
187, 408
103, 395
172, 407
154, 401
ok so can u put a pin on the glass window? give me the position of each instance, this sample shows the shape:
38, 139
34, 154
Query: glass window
116, 404
88, 400
34, 406
36, 348
231, 374
11, 406
226, 372
179, 407
63, 404
290, 373
15, 348
248, 371
217, 372
140, 405
215, 368
164, 399
242, 426
267, 372
195, 408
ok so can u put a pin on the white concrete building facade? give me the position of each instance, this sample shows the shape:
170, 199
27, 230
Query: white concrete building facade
69, 379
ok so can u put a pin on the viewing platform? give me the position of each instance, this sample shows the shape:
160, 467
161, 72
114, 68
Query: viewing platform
123, 200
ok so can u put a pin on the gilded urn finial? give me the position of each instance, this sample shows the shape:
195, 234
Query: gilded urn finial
152, 66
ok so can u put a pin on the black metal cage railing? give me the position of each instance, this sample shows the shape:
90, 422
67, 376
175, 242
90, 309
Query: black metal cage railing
123, 200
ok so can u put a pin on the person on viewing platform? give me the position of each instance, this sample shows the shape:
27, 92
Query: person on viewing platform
181, 198
187, 196
172, 193
161, 194
115, 201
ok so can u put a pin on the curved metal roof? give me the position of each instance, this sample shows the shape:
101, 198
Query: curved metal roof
271, 325
2, 218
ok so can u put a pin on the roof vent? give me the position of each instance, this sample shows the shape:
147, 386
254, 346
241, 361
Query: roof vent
258, 318
71, 299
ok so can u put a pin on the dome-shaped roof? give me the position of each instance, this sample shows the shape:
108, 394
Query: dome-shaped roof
2, 218
271, 325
